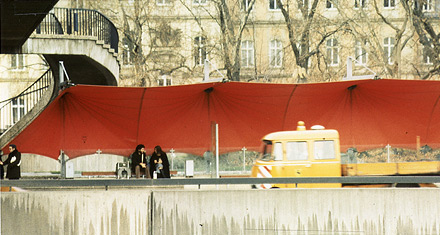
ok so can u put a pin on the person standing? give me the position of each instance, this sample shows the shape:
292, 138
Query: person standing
159, 163
2, 170
139, 162
13, 162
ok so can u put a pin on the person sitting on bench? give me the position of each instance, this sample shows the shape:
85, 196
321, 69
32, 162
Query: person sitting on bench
139, 163
159, 163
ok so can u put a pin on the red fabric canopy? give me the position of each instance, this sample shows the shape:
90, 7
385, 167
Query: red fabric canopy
368, 114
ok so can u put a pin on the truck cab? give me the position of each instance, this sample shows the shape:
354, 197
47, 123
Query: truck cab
301, 153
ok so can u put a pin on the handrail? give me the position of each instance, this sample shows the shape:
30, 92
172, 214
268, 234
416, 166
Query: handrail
54, 183
84, 22
16, 107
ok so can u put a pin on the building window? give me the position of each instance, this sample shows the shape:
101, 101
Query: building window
17, 61
199, 2
199, 50
127, 56
427, 53
360, 53
332, 52
304, 4
388, 47
18, 109
164, 80
273, 5
247, 53
360, 4
163, 2
245, 4
331, 4
389, 3
276, 53
428, 5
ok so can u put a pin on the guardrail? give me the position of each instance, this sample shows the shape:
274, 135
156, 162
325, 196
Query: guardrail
84, 22
51, 183
15, 108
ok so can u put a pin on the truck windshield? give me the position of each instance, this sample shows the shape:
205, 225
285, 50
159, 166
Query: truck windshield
266, 151
271, 151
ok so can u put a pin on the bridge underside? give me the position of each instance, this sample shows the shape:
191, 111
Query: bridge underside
81, 69
18, 20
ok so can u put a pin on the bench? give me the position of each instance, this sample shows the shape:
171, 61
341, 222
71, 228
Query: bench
98, 173
110, 173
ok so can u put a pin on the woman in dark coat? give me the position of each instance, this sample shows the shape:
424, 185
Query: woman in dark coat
2, 170
159, 163
13, 162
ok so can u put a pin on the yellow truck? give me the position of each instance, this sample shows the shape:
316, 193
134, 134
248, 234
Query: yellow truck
316, 153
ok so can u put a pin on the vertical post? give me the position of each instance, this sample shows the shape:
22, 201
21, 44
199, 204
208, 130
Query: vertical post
349, 68
61, 71
418, 143
244, 158
388, 152
62, 160
206, 70
172, 158
217, 161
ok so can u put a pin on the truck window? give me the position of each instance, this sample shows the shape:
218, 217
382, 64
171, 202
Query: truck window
278, 151
324, 149
297, 150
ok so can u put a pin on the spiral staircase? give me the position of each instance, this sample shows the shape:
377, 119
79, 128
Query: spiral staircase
82, 44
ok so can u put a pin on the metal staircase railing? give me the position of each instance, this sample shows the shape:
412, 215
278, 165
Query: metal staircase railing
14, 109
82, 22
17, 112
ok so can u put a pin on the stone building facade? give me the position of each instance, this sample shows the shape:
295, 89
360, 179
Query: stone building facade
165, 42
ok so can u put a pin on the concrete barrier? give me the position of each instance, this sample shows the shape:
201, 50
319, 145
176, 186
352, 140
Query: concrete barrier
231, 212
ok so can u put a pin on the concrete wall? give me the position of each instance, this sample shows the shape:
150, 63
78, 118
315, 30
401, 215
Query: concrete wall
33, 163
231, 212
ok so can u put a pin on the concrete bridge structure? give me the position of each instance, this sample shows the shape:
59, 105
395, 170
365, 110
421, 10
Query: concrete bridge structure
86, 59
191, 211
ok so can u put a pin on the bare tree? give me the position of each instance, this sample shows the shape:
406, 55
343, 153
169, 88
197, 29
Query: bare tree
424, 24
308, 33
231, 34
402, 37
151, 46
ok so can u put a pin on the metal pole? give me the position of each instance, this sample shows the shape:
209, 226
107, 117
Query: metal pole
172, 158
217, 161
388, 152
61, 71
62, 160
349, 68
244, 158
206, 70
